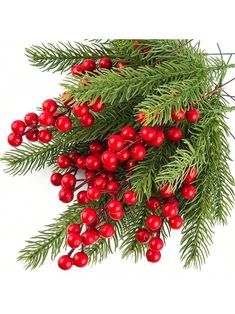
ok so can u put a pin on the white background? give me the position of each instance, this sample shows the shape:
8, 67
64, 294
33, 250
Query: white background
27, 203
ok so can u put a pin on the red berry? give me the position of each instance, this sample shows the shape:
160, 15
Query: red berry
130, 163
97, 105
115, 142
92, 162
89, 174
156, 244
158, 139
140, 117
18, 127
192, 115
74, 240
169, 210
67, 99
63, 161
14, 139
65, 262
96, 147
80, 259
95, 232
81, 162
109, 157
65, 195
82, 198
176, 222
107, 230
142, 235
138, 152
110, 176
124, 155
68, 181
178, 115
153, 203
128, 132
174, 134
77, 69
73, 228
121, 65
105, 63
191, 175
153, 256
112, 186
189, 191
44, 136
114, 206
117, 216
56, 178
32, 135
89, 65
130, 198
153, 222
148, 133
63, 124
100, 183
88, 215
80, 110
46, 118
74, 156
31, 118
49, 105
93, 193
167, 190
88, 237
87, 120
136, 44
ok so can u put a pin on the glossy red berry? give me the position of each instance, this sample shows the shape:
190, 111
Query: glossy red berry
156, 244
167, 190
130, 197
74, 240
112, 186
100, 183
63, 161
65, 195
115, 142
169, 210
32, 135
97, 106
109, 157
73, 156
77, 69
176, 222
80, 259
153, 256
117, 216
128, 133
44, 136
82, 198
140, 117
73, 228
130, 164
114, 206
188, 191
93, 163
192, 115
88, 237
18, 127
46, 118
148, 133
124, 155
14, 139
109, 176
63, 124
153, 222
105, 63
107, 230
95, 231
56, 178
68, 181
80, 110
96, 147
87, 120
88, 216
81, 162
121, 65
93, 193
174, 134
138, 152
178, 115
153, 203
65, 262
49, 105
89, 65
191, 175
142, 235
31, 118
158, 139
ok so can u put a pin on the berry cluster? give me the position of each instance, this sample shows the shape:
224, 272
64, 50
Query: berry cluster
164, 207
